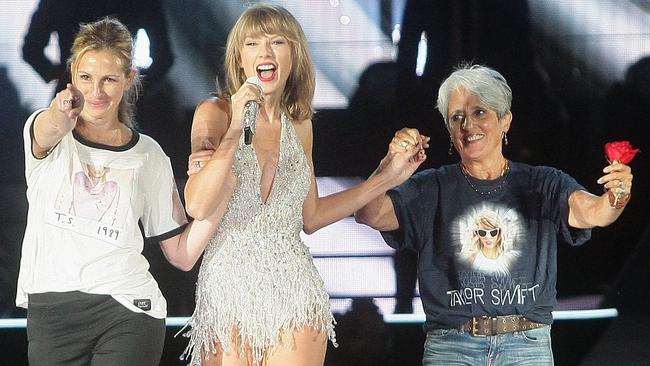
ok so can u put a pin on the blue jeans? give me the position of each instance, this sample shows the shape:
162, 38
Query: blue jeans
455, 347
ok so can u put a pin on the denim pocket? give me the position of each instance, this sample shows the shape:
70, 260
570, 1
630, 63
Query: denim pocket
542, 334
440, 333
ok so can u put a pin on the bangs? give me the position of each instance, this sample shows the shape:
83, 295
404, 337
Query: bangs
260, 21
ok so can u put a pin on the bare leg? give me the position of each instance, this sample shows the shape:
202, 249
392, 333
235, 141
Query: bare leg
308, 349
230, 358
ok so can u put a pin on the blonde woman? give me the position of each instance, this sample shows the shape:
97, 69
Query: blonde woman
90, 297
259, 298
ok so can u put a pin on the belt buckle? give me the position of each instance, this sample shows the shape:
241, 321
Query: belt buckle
475, 328
489, 324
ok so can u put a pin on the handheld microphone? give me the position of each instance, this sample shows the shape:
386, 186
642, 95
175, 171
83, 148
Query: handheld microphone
250, 112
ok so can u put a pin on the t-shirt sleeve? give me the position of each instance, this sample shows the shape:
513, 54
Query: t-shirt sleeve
414, 204
33, 164
164, 214
560, 186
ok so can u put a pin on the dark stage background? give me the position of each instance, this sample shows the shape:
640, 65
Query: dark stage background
580, 74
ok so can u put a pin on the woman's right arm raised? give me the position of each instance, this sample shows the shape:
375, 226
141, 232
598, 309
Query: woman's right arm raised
59, 119
207, 188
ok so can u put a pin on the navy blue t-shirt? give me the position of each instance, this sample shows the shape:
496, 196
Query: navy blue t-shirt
485, 254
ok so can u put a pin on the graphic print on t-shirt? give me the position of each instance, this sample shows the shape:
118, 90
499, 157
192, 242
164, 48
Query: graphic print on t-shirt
487, 237
96, 203
489, 241
93, 194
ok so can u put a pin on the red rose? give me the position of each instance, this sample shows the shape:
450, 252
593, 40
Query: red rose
621, 151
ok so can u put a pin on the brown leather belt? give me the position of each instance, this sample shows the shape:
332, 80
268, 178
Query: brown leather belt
488, 326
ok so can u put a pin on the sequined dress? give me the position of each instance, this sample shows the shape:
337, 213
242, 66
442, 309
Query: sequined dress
257, 275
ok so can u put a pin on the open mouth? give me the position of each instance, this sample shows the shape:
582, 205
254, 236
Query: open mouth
266, 72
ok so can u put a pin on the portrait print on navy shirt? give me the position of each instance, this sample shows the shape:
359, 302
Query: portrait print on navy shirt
489, 239
485, 255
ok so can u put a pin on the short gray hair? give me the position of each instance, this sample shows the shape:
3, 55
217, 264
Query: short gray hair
486, 83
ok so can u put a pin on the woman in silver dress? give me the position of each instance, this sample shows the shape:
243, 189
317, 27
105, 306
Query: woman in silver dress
259, 298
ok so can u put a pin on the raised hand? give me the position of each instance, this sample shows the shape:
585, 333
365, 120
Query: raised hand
405, 154
246, 93
70, 102
618, 182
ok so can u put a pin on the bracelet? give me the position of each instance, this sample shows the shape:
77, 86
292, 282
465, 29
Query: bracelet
617, 201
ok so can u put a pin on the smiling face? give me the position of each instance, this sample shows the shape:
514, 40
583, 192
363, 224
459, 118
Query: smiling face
269, 57
475, 129
100, 76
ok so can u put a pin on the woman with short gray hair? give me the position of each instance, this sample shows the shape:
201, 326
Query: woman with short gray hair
493, 306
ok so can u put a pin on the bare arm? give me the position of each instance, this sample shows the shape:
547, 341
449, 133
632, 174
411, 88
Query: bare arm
59, 119
379, 214
217, 125
405, 154
209, 187
587, 210
185, 249
322, 211
205, 190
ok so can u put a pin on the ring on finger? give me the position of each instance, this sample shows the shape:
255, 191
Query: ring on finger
67, 101
404, 144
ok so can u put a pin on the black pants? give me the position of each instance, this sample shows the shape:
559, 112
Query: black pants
75, 328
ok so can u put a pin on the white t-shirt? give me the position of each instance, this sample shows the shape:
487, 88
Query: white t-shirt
85, 202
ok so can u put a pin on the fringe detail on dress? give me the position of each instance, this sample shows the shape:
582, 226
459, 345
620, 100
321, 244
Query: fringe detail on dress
257, 277
205, 334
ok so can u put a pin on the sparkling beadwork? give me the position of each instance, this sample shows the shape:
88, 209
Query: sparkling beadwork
257, 275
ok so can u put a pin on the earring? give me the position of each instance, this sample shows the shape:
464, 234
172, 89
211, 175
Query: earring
505, 138
451, 147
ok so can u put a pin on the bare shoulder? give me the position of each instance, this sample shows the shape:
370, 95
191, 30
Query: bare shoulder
210, 122
305, 135
212, 110
303, 129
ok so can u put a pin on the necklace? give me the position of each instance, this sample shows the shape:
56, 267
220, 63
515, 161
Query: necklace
504, 175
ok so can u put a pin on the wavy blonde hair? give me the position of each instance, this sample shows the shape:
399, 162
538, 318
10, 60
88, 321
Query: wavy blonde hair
111, 35
488, 221
259, 19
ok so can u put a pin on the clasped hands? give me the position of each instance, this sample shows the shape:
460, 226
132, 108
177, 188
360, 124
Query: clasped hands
409, 142
405, 154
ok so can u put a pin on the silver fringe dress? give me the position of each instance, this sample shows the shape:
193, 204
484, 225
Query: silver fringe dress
257, 276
